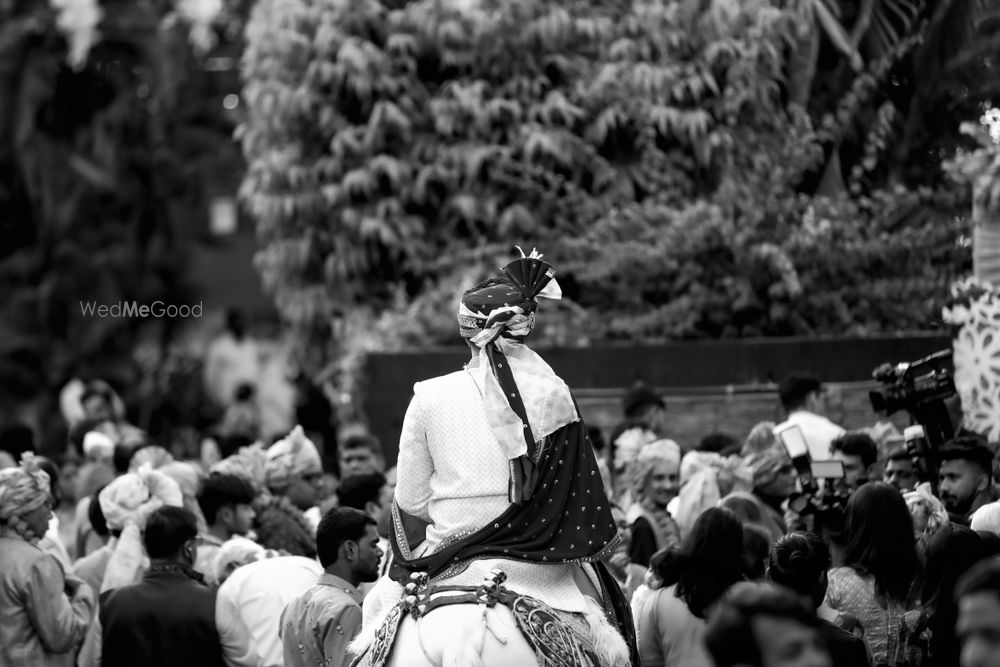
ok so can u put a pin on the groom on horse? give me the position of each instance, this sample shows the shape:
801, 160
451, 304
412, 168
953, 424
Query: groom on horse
499, 507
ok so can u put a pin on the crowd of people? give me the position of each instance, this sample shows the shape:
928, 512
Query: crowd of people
572, 548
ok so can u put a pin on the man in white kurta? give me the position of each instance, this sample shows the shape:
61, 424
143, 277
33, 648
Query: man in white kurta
460, 448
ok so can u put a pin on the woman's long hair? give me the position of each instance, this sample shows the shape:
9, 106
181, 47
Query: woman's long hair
951, 552
880, 540
708, 562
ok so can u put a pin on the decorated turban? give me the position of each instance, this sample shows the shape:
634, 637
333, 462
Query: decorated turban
250, 463
188, 476
767, 465
628, 445
760, 439
506, 305
295, 454
22, 489
126, 503
525, 400
706, 478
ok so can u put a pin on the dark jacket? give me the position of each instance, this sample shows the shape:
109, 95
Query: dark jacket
167, 619
846, 649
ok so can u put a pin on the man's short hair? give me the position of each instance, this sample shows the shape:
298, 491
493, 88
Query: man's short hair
856, 443
358, 490
221, 489
795, 389
339, 525
638, 400
797, 560
729, 635
167, 529
968, 448
983, 577
362, 441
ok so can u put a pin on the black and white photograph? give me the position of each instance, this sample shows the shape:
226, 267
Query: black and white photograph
500, 333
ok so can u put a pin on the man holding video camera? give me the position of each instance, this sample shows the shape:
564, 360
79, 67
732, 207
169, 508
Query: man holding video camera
965, 477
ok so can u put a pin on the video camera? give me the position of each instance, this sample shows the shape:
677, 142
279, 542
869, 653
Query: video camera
824, 502
920, 387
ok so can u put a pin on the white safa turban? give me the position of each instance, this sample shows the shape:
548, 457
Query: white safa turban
293, 455
126, 503
661, 450
628, 445
706, 478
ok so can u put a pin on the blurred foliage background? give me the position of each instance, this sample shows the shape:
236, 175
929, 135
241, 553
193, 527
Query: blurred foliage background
694, 168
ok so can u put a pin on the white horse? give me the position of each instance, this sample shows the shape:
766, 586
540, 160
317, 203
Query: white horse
469, 634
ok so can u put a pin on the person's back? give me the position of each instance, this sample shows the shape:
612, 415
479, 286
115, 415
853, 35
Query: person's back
91, 568
317, 626
29, 578
458, 489
669, 634
799, 562
45, 614
876, 583
167, 619
671, 622
496, 474
468, 485
232, 359
846, 649
252, 599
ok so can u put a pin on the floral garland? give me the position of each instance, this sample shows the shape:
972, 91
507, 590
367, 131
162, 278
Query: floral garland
974, 311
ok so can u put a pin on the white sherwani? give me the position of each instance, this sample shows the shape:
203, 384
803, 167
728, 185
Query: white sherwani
454, 474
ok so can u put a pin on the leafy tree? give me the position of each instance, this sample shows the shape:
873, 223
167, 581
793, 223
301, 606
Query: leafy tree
98, 168
660, 151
